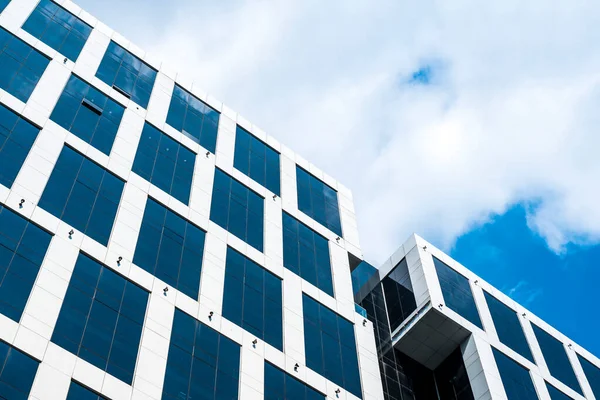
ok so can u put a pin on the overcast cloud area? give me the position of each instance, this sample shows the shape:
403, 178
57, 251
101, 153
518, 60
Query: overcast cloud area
506, 109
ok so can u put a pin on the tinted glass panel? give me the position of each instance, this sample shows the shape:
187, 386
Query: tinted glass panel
22, 249
237, 209
79, 392
3, 4
257, 160
508, 326
306, 253
556, 394
516, 378
16, 138
202, 363
89, 114
83, 194
17, 373
58, 28
252, 299
280, 385
170, 248
21, 66
101, 318
556, 358
592, 373
164, 162
452, 380
194, 118
330, 345
399, 296
457, 293
127, 74
318, 201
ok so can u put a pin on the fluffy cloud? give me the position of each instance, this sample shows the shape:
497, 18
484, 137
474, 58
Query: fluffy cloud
510, 113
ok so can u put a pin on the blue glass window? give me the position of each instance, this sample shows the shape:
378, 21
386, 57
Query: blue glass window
516, 378
237, 209
281, 385
318, 201
399, 296
330, 345
509, 328
89, 114
3, 4
202, 363
555, 354
21, 66
170, 248
101, 318
252, 299
306, 253
23, 246
194, 118
556, 394
127, 74
592, 373
16, 138
17, 371
165, 163
83, 194
257, 160
457, 293
79, 392
58, 28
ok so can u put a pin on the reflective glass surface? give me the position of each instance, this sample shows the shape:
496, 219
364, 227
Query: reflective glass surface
83, 194
452, 380
257, 160
79, 392
17, 371
101, 318
280, 385
3, 4
170, 248
516, 378
23, 246
194, 118
306, 253
58, 28
556, 394
399, 296
318, 201
202, 363
457, 293
555, 354
166, 163
592, 373
21, 66
330, 346
16, 138
127, 74
252, 299
88, 114
509, 328
237, 209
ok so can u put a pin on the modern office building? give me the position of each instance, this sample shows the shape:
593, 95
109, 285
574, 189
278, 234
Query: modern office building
154, 244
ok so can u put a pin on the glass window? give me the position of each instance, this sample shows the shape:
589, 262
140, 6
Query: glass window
166, 163
17, 371
515, 378
457, 293
592, 373
508, 326
194, 118
170, 248
451, 378
21, 66
79, 392
16, 139
256, 160
555, 354
101, 318
318, 201
237, 209
23, 247
202, 363
556, 394
306, 253
127, 74
3, 4
330, 345
58, 28
399, 296
83, 194
88, 114
281, 385
252, 298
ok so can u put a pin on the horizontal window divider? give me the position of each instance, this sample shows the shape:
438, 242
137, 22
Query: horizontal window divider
92, 107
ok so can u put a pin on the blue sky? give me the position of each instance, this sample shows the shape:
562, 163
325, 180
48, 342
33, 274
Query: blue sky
473, 124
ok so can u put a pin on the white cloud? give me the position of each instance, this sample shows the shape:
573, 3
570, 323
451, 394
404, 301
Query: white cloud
511, 116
